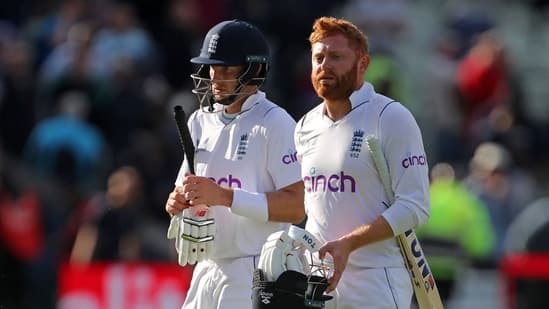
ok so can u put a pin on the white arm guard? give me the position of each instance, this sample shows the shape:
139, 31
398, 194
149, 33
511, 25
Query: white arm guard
193, 230
285, 250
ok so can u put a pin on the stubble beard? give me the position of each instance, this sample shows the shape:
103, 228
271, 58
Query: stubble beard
342, 88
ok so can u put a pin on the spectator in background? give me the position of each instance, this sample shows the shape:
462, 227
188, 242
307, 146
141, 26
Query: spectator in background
66, 55
150, 154
504, 188
383, 75
107, 227
491, 98
34, 215
127, 110
69, 67
21, 232
123, 55
176, 39
459, 232
48, 31
68, 133
483, 82
122, 42
385, 21
444, 113
467, 21
17, 93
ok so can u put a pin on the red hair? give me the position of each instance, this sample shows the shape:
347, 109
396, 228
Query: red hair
328, 26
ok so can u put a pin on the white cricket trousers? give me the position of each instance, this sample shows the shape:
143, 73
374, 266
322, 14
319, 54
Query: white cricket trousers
222, 284
373, 288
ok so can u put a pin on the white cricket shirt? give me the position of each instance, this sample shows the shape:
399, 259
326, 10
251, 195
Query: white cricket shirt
254, 152
342, 188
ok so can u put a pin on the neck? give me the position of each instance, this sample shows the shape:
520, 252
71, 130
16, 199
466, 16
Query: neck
235, 107
337, 109
243, 95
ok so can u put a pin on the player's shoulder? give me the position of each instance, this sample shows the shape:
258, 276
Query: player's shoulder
311, 116
194, 117
388, 108
393, 116
199, 114
272, 112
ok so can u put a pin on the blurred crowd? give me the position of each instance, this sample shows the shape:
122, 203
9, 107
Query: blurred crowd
89, 149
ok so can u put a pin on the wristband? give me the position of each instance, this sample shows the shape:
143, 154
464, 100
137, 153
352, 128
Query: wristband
250, 204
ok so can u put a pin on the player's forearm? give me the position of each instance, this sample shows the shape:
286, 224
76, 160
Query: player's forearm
283, 205
367, 234
406, 214
286, 204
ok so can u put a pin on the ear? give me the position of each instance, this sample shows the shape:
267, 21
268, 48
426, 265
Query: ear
363, 63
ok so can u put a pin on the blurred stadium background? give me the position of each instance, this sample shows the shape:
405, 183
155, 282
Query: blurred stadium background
89, 150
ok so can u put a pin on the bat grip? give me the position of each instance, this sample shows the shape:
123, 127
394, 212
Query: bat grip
184, 136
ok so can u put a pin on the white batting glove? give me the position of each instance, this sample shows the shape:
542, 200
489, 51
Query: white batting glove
194, 230
173, 229
285, 250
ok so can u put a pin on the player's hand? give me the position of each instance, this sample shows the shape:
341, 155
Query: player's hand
176, 201
340, 250
202, 190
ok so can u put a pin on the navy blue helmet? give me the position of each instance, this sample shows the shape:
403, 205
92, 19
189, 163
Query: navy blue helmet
231, 43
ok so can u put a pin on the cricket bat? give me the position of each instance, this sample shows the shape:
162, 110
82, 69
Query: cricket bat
200, 229
425, 288
188, 151
184, 136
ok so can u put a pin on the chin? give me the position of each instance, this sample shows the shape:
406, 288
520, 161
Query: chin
326, 93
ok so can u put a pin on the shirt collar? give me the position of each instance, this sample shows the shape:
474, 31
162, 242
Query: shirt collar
358, 97
361, 95
252, 100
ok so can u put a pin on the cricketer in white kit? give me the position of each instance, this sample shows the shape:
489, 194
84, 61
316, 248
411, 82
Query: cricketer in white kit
254, 152
343, 191
245, 170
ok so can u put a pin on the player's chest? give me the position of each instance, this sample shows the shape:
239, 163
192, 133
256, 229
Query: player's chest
336, 159
343, 144
234, 143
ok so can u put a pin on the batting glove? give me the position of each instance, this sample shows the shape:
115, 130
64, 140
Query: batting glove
193, 230
285, 250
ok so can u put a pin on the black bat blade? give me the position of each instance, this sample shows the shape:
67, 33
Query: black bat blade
184, 135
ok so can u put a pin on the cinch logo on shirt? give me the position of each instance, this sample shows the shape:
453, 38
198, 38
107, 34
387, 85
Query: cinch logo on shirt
333, 183
413, 160
291, 157
230, 181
